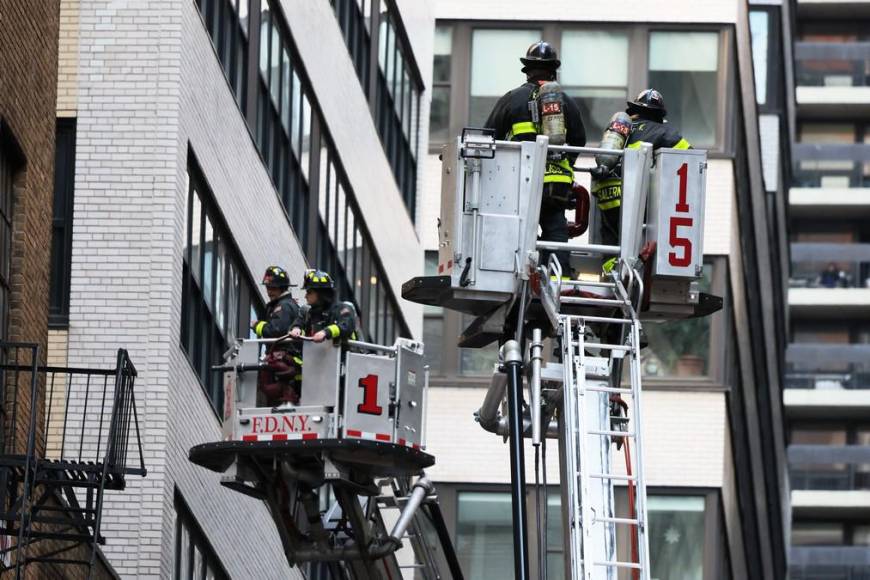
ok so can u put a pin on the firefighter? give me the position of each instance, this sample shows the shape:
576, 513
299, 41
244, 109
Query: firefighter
324, 318
517, 116
279, 383
647, 114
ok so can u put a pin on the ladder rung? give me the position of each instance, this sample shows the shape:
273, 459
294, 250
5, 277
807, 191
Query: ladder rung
613, 476
612, 433
609, 390
609, 520
618, 564
606, 319
607, 346
590, 283
592, 301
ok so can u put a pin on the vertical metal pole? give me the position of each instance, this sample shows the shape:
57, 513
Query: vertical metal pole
513, 361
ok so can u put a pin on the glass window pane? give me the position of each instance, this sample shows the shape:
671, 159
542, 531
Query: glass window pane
759, 28
208, 262
676, 526
195, 236
275, 62
306, 135
600, 84
433, 333
476, 361
679, 348
285, 90
244, 6
184, 555
220, 286
264, 39
861, 536
439, 115
683, 66
495, 67
443, 49
484, 535
296, 115
817, 534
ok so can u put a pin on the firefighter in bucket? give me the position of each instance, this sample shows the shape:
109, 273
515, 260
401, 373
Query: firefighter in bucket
280, 381
324, 318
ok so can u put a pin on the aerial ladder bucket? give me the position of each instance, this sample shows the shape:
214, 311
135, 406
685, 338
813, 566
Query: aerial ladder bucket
490, 266
333, 467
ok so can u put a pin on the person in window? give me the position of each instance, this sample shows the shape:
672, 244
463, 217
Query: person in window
516, 118
648, 125
324, 318
279, 382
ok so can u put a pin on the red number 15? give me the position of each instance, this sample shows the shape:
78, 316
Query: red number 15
674, 239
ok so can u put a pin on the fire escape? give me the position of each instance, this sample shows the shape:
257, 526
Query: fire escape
59, 456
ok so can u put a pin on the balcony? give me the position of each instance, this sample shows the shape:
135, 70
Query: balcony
829, 467
829, 563
833, 8
830, 280
831, 180
827, 379
833, 78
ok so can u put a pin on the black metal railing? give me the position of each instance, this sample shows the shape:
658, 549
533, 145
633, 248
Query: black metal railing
827, 366
829, 467
66, 439
838, 165
832, 64
829, 563
829, 265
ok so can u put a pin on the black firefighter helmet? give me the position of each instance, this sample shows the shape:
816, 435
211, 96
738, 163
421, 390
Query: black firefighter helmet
541, 55
276, 277
648, 101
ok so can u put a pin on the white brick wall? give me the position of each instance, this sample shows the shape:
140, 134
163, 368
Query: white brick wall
149, 85
465, 453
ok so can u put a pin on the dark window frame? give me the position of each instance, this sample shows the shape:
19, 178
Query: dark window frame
201, 338
62, 222
184, 518
13, 165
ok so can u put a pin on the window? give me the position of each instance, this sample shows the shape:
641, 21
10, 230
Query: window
433, 323
227, 23
600, 84
439, 116
680, 348
494, 67
681, 526
218, 300
484, 534
676, 536
62, 222
602, 67
397, 86
759, 26
684, 66
286, 129
194, 557
817, 534
11, 163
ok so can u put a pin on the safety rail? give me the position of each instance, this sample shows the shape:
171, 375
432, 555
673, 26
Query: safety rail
66, 438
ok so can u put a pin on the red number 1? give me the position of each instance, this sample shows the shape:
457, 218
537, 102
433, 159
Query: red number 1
683, 173
369, 406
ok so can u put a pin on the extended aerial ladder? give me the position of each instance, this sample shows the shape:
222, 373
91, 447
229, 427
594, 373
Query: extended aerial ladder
342, 472
490, 266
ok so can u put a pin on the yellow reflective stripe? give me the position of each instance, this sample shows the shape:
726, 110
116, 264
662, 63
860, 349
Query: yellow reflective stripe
598, 186
635, 145
297, 360
258, 330
682, 144
609, 204
333, 330
558, 178
522, 128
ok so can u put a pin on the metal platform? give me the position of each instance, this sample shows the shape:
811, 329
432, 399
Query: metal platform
371, 458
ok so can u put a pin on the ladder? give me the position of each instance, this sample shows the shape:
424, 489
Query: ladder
590, 424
